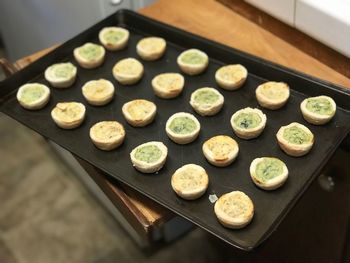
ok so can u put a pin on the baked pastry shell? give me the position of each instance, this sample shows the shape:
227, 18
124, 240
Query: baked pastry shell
182, 138
249, 133
35, 105
315, 118
89, 64
107, 144
165, 93
230, 222
145, 167
98, 101
207, 111
117, 46
59, 82
220, 162
291, 149
139, 122
192, 69
268, 103
193, 193
128, 79
69, 124
231, 85
154, 55
271, 184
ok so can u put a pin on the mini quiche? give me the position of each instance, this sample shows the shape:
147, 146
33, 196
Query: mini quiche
89, 55
207, 101
182, 127
98, 92
149, 157
272, 95
234, 210
107, 135
295, 139
128, 71
268, 173
61, 75
193, 61
220, 150
68, 115
114, 38
139, 113
248, 123
168, 85
318, 110
231, 77
33, 96
151, 48
190, 181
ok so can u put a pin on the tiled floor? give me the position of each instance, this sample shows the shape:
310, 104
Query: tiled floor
46, 215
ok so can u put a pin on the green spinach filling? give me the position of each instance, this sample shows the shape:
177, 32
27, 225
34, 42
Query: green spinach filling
32, 93
206, 97
90, 51
113, 37
182, 125
193, 58
320, 106
268, 169
63, 70
247, 120
296, 135
148, 154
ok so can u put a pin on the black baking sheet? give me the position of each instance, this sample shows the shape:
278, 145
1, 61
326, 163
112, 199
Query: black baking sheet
270, 207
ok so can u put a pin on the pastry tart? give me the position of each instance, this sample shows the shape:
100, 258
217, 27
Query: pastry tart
98, 92
248, 123
139, 113
128, 71
89, 55
220, 150
193, 61
182, 127
151, 48
61, 75
272, 95
190, 181
207, 101
68, 115
268, 173
231, 77
107, 135
114, 38
295, 139
234, 210
149, 157
318, 110
33, 96
168, 85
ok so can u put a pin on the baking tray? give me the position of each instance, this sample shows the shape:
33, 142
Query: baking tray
270, 207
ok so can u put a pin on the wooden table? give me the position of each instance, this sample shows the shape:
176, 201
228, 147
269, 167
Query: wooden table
212, 20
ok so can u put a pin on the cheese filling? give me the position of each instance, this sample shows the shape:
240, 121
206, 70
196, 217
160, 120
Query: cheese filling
193, 58
296, 135
320, 106
148, 154
190, 179
168, 81
231, 73
151, 44
68, 112
234, 207
274, 91
182, 125
32, 93
63, 70
247, 120
206, 97
97, 89
268, 169
138, 110
90, 51
113, 36
220, 148
107, 131
128, 67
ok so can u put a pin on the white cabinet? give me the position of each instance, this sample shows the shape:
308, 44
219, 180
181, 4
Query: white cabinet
28, 26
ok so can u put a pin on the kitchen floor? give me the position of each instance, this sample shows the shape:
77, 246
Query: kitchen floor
46, 214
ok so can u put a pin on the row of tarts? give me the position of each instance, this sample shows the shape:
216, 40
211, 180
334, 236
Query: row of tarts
234, 209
